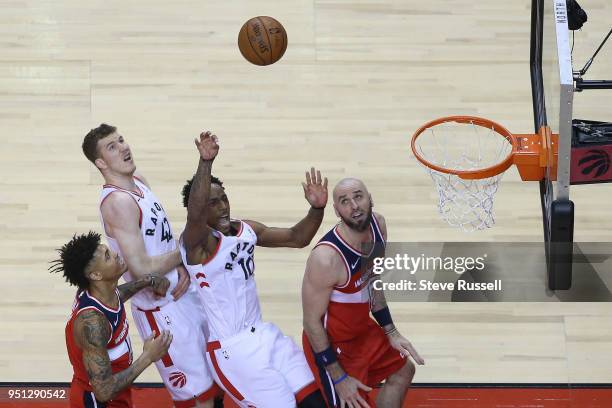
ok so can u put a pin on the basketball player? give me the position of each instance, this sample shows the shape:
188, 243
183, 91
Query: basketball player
136, 226
252, 360
97, 333
349, 353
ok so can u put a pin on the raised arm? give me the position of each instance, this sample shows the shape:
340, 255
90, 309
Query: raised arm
324, 270
91, 332
300, 235
382, 314
121, 215
197, 237
127, 290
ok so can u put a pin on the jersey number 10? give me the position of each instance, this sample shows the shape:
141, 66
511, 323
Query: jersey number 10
247, 266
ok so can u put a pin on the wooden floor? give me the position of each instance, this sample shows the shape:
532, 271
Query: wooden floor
357, 79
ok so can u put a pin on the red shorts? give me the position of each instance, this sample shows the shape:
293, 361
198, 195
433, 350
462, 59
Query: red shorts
368, 357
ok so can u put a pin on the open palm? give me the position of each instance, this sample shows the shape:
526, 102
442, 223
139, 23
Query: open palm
207, 145
315, 190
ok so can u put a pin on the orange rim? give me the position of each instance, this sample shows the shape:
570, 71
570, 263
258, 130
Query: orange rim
469, 174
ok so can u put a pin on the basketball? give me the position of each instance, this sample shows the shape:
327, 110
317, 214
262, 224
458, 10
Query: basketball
262, 40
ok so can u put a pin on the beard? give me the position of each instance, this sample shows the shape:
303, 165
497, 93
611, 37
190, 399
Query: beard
359, 226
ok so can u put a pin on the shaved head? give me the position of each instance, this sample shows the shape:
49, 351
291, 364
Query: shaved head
353, 204
347, 186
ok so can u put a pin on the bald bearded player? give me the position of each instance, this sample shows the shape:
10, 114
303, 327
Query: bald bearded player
347, 350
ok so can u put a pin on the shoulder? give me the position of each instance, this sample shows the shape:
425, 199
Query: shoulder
382, 223
91, 327
326, 257
118, 203
250, 223
324, 268
256, 226
379, 218
118, 199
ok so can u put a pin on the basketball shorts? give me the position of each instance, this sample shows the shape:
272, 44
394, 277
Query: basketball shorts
82, 398
260, 367
369, 358
183, 369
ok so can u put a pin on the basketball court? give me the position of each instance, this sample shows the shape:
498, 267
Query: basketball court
355, 83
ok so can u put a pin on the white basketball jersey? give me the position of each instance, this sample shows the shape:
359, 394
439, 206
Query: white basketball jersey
157, 235
226, 285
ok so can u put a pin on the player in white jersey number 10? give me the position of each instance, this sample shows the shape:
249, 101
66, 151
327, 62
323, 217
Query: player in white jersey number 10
252, 360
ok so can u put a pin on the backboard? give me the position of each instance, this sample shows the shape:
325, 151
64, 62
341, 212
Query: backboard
552, 93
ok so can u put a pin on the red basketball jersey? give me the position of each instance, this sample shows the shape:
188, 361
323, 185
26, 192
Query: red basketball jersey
348, 312
118, 347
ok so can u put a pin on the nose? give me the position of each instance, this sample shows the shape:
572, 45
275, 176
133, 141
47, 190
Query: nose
354, 205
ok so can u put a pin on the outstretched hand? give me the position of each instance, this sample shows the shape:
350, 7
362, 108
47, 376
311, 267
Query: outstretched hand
207, 145
348, 391
315, 191
401, 344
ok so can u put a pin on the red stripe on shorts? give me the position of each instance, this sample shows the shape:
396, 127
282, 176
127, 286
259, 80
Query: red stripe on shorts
212, 346
306, 391
153, 324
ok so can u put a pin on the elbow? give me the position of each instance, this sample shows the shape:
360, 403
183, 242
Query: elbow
302, 243
299, 240
306, 328
310, 324
305, 242
102, 395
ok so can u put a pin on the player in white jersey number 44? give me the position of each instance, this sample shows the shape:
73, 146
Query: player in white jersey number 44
252, 360
137, 227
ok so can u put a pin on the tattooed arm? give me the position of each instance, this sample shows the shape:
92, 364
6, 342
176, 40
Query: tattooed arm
92, 331
127, 290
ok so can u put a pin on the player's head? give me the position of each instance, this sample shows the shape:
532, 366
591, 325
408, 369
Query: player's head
108, 151
84, 259
353, 203
218, 205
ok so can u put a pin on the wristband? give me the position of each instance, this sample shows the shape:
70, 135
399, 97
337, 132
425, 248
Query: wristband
317, 208
326, 357
383, 317
339, 380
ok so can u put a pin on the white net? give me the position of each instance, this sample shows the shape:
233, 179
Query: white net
467, 204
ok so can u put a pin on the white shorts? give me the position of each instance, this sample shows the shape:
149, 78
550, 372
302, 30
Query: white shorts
183, 369
260, 367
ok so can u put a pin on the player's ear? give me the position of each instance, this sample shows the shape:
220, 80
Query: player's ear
94, 275
371, 201
100, 164
336, 211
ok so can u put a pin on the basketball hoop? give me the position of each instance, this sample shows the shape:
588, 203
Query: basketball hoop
466, 157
